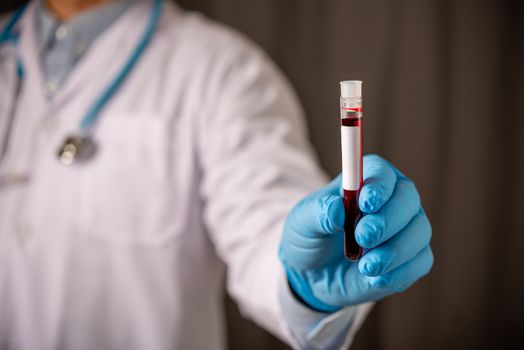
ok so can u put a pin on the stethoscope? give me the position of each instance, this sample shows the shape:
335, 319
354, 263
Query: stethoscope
81, 146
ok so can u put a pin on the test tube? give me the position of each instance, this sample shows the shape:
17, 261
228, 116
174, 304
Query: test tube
351, 142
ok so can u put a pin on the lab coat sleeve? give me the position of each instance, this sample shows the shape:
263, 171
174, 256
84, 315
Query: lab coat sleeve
256, 164
314, 330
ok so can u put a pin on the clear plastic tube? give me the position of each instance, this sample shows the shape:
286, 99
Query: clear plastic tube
351, 142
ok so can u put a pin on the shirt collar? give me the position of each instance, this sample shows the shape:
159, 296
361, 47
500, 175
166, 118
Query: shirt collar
85, 28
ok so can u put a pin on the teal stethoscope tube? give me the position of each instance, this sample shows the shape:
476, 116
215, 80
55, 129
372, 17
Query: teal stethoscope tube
9, 36
93, 112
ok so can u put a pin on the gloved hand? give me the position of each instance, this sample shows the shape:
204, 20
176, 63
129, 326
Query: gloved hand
394, 230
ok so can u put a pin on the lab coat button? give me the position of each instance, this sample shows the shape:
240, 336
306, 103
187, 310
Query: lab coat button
13, 179
23, 232
48, 123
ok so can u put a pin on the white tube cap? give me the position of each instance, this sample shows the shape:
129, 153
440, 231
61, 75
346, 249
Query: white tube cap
351, 88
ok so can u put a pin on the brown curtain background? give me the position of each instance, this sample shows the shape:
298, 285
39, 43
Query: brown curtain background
444, 101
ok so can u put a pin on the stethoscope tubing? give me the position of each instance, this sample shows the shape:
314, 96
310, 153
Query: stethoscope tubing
7, 34
94, 112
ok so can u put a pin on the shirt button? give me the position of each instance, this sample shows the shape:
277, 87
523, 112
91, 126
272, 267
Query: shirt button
13, 179
61, 32
80, 48
49, 89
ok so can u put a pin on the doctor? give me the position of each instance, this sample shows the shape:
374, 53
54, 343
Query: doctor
144, 152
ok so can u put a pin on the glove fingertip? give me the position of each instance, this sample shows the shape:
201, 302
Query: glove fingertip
380, 281
371, 199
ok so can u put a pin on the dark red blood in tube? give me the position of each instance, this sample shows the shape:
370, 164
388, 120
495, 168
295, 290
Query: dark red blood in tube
351, 248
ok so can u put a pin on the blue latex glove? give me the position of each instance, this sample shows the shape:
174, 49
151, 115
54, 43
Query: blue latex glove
394, 230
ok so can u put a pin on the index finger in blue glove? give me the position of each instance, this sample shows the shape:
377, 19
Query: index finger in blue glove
379, 183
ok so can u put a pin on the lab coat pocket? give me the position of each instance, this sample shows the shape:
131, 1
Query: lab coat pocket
129, 196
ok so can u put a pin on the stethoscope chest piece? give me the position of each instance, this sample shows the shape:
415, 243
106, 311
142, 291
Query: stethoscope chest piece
76, 149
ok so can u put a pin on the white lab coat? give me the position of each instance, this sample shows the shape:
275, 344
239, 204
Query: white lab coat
201, 154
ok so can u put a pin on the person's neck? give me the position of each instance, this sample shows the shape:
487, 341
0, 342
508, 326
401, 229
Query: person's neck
67, 9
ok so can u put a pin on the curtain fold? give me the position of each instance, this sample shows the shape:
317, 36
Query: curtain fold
444, 101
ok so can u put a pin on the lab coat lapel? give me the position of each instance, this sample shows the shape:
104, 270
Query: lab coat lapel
33, 81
